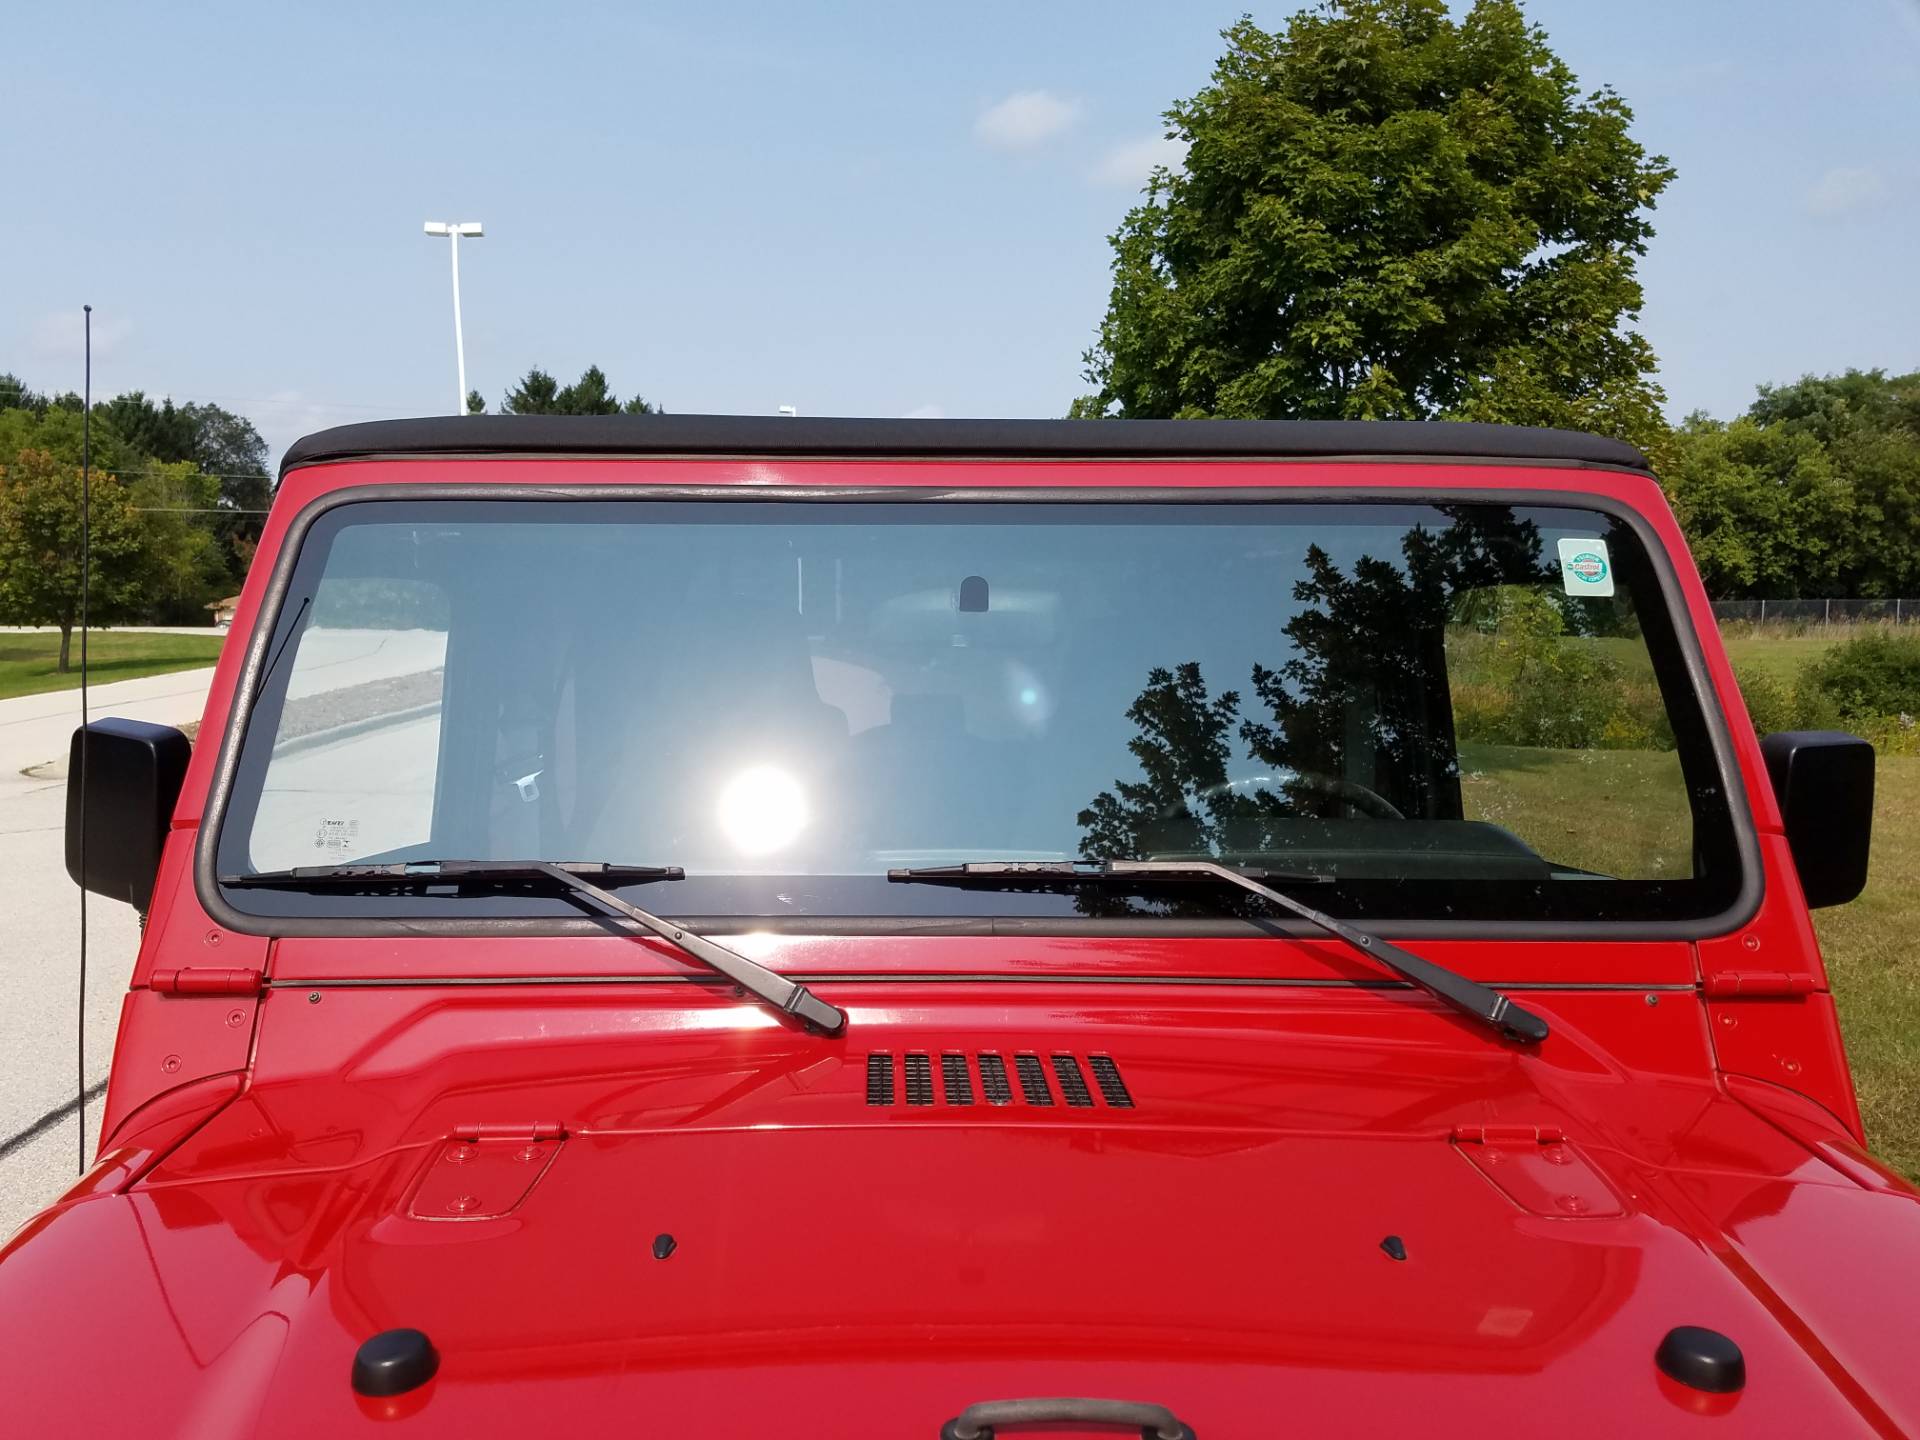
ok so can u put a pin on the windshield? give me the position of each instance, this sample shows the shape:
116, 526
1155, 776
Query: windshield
1465, 710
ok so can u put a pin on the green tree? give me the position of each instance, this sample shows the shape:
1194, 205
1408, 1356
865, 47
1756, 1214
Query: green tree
228, 447
1386, 213
1765, 513
159, 432
214, 440
1868, 424
40, 507
183, 559
1815, 491
59, 432
540, 394
15, 394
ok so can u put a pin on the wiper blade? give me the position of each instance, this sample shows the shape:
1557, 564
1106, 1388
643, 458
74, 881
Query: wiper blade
405, 874
1064, 874
787, 996
1469, 997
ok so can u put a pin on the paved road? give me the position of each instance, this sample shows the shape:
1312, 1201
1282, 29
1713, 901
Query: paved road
40, 906
40, 936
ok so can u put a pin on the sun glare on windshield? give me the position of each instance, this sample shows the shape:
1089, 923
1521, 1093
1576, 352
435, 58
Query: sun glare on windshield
762, 810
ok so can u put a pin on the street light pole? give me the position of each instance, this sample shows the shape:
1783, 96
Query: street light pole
453, 230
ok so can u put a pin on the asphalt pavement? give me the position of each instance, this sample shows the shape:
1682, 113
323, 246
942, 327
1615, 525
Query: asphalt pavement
339, 674
40, 937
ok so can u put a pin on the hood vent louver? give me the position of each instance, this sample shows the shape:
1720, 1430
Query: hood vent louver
993, 1080
957, 1071
1073, 1085
956, 1079
879, 1080
1106, 1075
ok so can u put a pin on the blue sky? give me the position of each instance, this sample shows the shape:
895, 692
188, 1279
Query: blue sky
868, 208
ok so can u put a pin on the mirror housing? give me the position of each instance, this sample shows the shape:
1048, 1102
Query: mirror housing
133, 773
1823, 780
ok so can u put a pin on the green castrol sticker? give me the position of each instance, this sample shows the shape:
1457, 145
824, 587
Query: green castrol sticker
1585, 568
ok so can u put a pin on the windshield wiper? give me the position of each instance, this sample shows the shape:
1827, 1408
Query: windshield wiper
1469, 997
406, 873
787, 996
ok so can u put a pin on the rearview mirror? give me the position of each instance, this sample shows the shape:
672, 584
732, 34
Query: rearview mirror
130, 773
1823, 780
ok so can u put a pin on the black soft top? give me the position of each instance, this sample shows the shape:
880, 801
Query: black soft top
773, 435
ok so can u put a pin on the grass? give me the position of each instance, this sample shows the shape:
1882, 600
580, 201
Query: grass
1645, 830
1872, 949
1782, 653
28, 660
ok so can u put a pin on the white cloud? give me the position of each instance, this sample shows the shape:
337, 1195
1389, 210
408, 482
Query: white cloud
1845, 189
1130, 164
1025, 119
61, 338
925, 412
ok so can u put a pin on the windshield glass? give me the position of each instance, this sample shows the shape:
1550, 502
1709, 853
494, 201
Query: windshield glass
1467, 710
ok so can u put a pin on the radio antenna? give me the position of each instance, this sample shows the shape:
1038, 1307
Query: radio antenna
86, 578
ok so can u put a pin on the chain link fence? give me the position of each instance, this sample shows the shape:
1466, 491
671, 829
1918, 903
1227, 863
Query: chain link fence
1819, 612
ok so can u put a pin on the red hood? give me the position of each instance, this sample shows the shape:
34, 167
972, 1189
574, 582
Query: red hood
842, 1268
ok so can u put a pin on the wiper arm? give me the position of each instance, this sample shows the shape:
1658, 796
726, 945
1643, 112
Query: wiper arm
787, 996
1469, 997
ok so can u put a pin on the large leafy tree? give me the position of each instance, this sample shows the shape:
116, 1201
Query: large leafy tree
40, 509
1387, 213
184, 560
1815, 491
215, 441
540, 394
193, 477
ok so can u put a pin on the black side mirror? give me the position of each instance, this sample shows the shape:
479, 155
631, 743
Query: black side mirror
1824, 783
133, 772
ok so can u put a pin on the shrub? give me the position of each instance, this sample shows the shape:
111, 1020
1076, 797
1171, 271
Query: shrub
1770, 704
1875, 678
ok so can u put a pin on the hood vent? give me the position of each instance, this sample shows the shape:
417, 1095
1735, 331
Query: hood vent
1037, 1078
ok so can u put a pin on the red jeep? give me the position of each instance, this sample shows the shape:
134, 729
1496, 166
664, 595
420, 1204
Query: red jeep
732, 927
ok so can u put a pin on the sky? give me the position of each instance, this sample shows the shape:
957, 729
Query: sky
854, 209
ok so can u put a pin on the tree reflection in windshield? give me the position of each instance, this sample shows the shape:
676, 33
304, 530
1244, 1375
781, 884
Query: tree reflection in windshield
1358, 720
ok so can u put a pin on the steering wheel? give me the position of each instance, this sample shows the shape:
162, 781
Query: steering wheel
1368, 802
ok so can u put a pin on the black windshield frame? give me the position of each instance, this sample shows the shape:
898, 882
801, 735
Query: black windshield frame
1669, 635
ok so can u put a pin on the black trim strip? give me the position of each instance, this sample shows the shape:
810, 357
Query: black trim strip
763, 437
248, 684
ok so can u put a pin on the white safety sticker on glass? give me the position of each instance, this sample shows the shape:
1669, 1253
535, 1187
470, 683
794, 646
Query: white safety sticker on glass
1585, 568
336, 837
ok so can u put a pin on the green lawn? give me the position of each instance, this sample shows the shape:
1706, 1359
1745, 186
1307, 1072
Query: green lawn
1781, 654
1873, 961
28, 661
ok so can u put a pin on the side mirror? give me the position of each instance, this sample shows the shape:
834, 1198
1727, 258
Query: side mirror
132, 774
1824, 783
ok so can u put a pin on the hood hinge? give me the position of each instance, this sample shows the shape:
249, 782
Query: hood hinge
1724, 983
197, 980
536, 1131
1508, 1135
